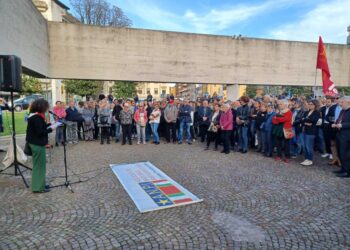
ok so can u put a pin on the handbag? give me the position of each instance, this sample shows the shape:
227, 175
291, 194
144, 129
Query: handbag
213, 128
27, 149
288, 133
319, 122
104, 119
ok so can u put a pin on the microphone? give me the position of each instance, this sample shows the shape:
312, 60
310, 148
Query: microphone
52, 113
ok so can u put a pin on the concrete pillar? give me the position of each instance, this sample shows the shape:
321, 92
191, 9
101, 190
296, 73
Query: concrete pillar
348, 40
232, 92
56, 90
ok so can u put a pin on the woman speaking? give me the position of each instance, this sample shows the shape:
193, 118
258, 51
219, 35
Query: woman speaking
37, 138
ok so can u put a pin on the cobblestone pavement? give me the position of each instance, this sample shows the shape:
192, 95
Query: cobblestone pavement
250, 202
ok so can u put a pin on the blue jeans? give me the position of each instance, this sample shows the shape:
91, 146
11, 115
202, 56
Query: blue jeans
267, 142
252, 132
117, 130
59, 134
154, 127
309, 141
243, 138
297, 144
188, 131
321, 146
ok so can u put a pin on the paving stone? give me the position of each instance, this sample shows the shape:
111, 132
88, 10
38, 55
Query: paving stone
250, 202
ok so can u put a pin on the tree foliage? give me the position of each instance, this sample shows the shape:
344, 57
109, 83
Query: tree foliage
82, 87
124, 89
31, 85
100, 12
298, 91
344, 90
251, 90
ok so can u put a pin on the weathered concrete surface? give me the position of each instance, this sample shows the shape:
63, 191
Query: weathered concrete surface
59, 50
90, 52
250, 202
23, 32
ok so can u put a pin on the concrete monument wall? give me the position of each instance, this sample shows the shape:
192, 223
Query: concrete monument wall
104, 53
71, 51
23, 32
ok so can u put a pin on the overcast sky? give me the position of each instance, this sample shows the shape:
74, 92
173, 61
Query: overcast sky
300, 20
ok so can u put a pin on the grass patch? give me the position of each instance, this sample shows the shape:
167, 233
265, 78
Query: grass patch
21, 125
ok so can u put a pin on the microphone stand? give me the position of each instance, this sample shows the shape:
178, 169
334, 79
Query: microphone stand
66, 183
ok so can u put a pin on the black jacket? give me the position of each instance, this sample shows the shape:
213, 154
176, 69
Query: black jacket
330, 115
116, 112
204, 112
260, 118
297, 124
344, 132
234, 116
243, 113
37, 131
73, 115
313, 118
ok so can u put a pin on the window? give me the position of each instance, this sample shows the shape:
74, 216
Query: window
163, 91
148, 90
156, 91
139, 91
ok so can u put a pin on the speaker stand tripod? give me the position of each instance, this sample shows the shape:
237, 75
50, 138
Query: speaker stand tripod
15, 163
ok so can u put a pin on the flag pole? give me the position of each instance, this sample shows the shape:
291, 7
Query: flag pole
315, 83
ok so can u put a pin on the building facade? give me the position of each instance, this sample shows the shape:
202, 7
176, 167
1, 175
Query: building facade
194, 91
54, 10
157, 90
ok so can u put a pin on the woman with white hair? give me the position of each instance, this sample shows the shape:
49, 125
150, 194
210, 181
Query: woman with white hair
283, 130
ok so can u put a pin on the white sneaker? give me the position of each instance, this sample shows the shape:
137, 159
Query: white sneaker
138, 143
144, 143
302, 163
331, 157
324, 155
307, 163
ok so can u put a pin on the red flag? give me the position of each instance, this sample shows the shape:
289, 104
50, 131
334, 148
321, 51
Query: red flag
328, 85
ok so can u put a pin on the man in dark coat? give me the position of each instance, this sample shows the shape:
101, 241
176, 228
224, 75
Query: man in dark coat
116, 113
342, 124
327, 115
204, 113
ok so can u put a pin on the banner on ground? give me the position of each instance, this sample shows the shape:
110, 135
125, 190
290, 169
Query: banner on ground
150, 188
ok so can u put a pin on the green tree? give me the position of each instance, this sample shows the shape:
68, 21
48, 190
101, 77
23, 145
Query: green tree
31, 85
344, 90
298, 90
124, 89
250, 91
82, 87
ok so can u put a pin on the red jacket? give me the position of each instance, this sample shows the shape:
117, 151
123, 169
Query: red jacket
226, 121
285, 118
137, 116
61, 112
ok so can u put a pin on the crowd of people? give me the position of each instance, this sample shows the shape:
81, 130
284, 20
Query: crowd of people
275, 127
